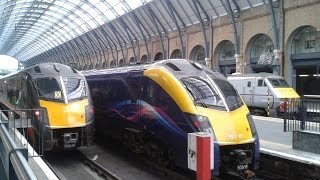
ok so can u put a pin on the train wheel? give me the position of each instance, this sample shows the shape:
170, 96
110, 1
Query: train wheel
157, 153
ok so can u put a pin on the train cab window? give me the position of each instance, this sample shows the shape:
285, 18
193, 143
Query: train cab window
231, 96
48, 88
261, 83
202, 92
278, 83
75, 88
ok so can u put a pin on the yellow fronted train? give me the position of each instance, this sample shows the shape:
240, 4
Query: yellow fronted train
152, 108
56, 99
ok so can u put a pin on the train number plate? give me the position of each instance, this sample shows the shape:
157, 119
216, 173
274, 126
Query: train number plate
242, 167
69, 145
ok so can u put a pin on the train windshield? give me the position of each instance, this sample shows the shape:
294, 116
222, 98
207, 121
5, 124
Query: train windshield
278, 82
49, 88
211, 92
203, 92
75, 88
232, 98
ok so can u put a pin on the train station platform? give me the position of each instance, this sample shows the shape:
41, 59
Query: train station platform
275, 142
36, 163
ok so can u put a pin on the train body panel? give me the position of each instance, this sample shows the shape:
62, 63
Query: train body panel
264, 92
61, 95
152, 108
63, 115
178, 93
232, 127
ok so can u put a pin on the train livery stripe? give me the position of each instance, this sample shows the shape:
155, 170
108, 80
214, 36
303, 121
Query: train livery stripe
229, 127
286, 93
63, 115
166, 80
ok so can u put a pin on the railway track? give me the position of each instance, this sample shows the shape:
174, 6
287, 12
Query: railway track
100, 170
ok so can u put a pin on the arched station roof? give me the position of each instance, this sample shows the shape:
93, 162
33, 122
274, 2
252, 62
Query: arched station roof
34, 30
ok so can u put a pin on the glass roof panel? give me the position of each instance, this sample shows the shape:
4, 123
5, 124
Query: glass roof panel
35, 23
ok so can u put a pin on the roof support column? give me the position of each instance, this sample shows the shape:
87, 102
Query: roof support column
139, 24
236, 33
171, 9
275, 30
153, 19
124, 25
202, 27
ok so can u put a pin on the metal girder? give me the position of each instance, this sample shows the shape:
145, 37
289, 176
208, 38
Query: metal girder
103, 31
173, 17
124, 25
275, 28
140, 26
236, 32
155, 21
196, 4
113, 29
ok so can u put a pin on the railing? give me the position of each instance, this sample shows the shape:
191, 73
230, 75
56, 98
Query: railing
303, 115
14, 164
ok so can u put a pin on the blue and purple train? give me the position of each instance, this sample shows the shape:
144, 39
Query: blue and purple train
153, 107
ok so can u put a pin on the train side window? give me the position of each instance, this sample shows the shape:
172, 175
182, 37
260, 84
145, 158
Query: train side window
114, 90
249, 84
261, 83
134, 86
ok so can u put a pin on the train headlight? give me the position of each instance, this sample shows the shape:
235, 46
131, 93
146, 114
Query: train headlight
202, 124
89, 113
252, 125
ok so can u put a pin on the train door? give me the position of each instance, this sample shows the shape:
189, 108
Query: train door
248, 90
261, 93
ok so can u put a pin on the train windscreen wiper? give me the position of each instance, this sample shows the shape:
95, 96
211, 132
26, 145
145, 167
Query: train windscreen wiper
40, 91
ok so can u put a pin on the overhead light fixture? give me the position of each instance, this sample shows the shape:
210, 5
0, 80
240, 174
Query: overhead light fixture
236, 13
205, 21
182, 28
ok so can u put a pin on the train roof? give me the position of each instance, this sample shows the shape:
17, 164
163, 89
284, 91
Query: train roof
175, 66
254, 75
48, 69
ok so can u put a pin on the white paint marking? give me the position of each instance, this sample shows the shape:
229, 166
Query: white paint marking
261, 118
47, 171
290, 156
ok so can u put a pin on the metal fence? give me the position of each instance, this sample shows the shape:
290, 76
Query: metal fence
302, 115
14, 160
26, 129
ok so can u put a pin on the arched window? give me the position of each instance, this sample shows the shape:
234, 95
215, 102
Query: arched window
158, 56
91, 66
262, 44
104, 65
176, 54
226, 59
307, 40
121, 63
97, 65
261, 54
112, 64
198, 54
131, 60
144, 58
227, 51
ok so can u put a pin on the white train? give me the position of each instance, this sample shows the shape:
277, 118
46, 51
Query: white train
264, 93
